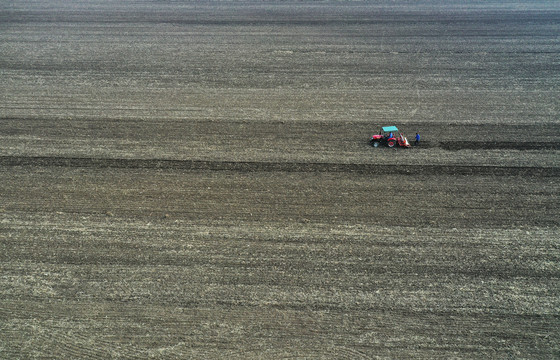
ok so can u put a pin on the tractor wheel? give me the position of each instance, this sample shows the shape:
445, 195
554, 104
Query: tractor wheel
375, 144
391, 143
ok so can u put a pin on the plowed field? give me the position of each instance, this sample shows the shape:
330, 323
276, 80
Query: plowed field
194, 180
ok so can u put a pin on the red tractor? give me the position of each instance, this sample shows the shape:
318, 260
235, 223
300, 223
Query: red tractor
389, 136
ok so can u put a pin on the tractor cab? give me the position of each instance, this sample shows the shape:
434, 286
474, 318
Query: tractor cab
389, 136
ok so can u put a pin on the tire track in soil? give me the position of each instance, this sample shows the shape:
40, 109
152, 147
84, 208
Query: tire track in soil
248, 166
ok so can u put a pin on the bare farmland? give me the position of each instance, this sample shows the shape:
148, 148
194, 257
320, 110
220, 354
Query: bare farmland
193, 180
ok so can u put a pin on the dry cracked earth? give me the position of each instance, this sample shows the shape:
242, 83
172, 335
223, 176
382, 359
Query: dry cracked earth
184, 179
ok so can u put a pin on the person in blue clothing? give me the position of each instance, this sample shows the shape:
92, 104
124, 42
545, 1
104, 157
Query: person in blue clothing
417, 139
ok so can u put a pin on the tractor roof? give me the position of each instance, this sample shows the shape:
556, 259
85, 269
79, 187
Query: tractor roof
389, 128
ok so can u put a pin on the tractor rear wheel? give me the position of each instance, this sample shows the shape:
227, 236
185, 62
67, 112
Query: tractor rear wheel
391, 143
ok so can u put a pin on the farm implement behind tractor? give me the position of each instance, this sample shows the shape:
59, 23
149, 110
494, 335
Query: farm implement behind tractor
389, 136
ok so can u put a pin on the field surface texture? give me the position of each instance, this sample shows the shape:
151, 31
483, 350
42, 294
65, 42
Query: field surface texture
188, 179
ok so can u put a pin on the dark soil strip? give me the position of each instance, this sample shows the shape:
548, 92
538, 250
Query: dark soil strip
244, 166
499, 145
487, 145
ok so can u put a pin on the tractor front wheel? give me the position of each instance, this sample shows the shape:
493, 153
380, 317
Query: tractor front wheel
375, 144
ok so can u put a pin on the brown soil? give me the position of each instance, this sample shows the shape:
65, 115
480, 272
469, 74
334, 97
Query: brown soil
193, 180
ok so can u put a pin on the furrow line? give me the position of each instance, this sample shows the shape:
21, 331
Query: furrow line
248, 166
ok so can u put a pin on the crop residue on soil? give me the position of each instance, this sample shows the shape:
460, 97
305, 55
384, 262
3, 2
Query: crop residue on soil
193, 180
